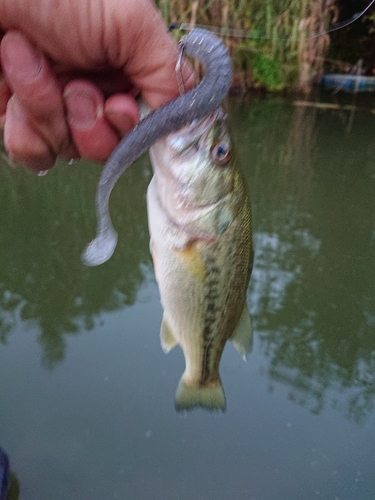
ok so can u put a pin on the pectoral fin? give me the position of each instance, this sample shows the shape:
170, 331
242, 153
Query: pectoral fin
242, 337
167, 338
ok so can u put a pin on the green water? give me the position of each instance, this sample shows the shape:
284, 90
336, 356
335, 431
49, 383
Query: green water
86, 393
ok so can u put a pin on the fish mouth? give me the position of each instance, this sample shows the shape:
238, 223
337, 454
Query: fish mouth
201, 127
197, 131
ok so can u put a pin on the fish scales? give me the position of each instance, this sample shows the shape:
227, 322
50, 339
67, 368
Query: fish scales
223, 298
202, 255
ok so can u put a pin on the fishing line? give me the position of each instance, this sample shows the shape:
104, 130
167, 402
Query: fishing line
241, 33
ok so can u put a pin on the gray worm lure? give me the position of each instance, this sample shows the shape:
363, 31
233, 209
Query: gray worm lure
195, 104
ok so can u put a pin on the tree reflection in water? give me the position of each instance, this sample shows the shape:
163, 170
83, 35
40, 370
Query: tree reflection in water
45, 224
312, 291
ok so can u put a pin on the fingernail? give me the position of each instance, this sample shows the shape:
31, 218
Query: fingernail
20, 58
82, 109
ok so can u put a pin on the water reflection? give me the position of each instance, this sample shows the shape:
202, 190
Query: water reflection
45, 224
312, 289
312, 292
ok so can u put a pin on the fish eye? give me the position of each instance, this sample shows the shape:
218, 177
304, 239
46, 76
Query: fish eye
220, 154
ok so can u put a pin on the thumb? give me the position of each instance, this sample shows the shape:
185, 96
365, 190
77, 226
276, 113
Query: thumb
149, 54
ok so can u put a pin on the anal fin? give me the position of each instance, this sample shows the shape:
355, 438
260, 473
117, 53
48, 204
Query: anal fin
167, 338
242, 337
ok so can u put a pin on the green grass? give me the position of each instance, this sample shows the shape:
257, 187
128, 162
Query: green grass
279, 53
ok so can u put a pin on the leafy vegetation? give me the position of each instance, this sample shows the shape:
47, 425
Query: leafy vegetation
278, 50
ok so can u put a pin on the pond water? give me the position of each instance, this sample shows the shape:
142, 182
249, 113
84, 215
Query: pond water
86, 393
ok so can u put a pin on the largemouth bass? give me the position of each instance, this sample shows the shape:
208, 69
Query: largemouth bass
200, 226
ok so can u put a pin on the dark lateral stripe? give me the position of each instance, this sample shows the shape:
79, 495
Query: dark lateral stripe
211, 296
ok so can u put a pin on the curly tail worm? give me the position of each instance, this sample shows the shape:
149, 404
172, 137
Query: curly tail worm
192, 105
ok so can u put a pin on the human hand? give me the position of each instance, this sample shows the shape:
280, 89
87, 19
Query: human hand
70, 71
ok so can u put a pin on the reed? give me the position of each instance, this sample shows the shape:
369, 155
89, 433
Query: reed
281, 50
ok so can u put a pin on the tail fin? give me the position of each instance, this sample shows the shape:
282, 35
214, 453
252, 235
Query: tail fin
210, 396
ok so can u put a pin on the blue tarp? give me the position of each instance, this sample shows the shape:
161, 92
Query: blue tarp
349, 83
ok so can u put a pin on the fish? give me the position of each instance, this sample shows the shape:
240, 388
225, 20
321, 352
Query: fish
200, 239
199, 221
